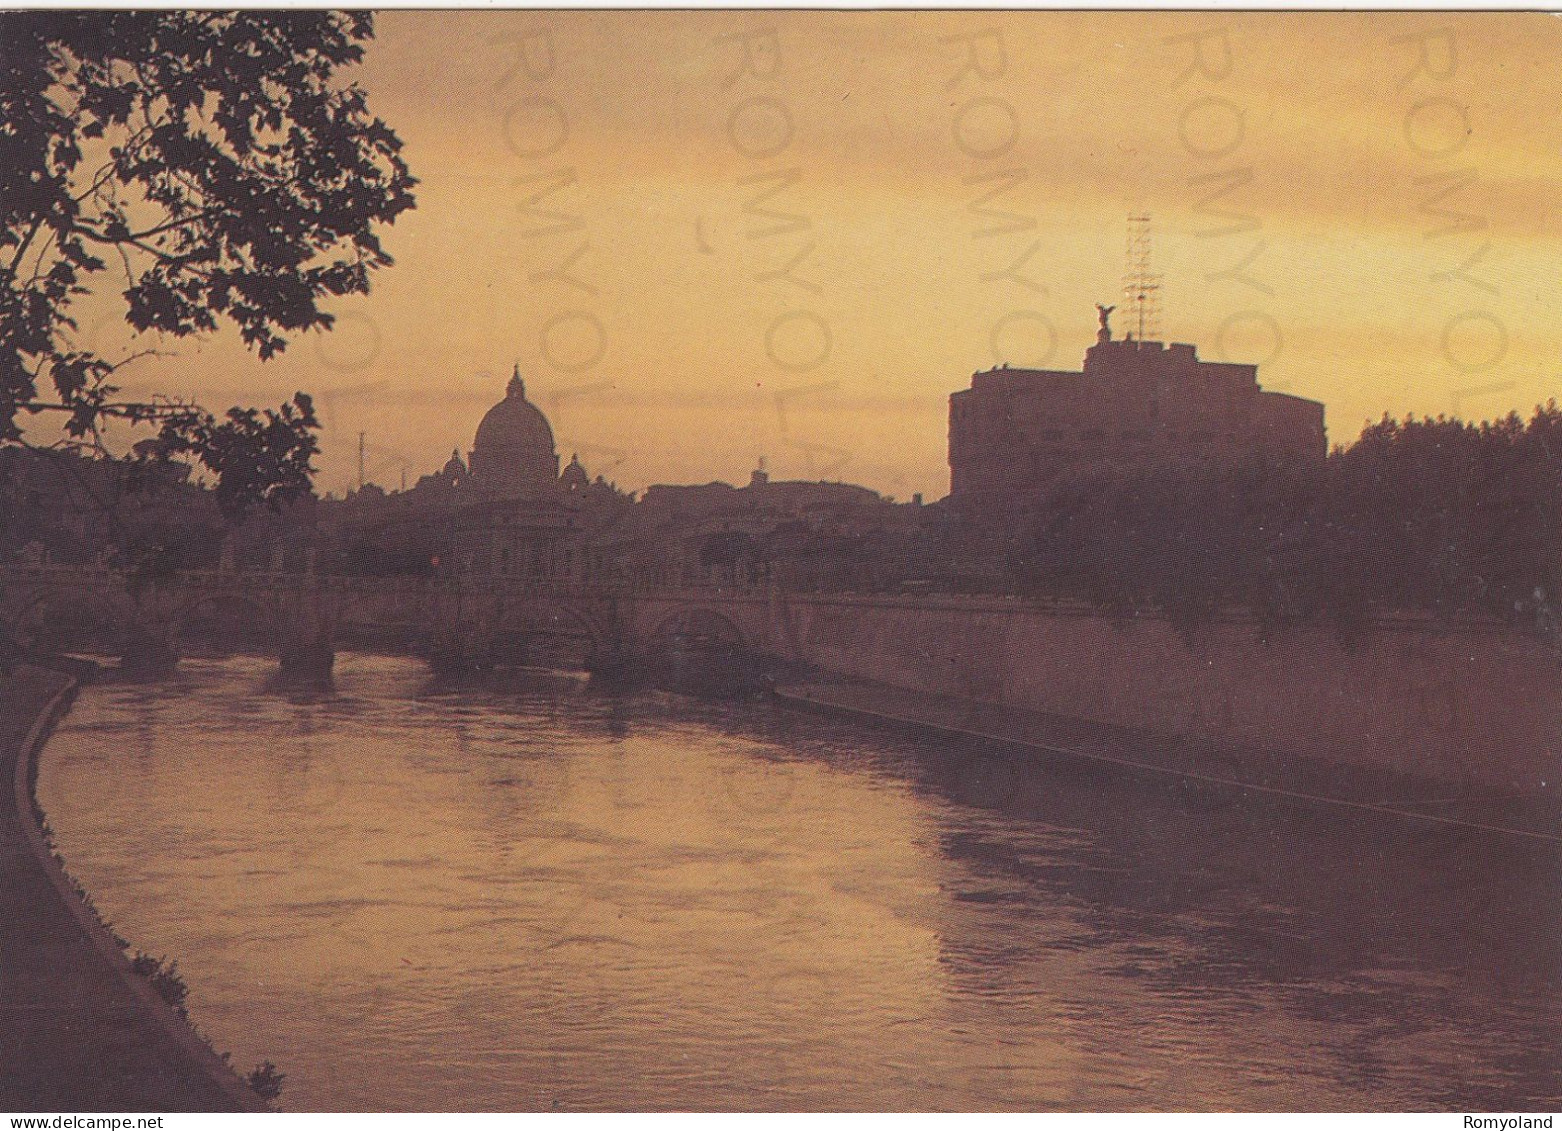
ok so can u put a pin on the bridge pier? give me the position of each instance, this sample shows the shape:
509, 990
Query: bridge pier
614, 664
308, 658
308, 643
148, 652
455, 648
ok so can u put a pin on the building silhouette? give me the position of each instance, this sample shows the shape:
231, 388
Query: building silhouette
1132, 404
507, 510
504, 509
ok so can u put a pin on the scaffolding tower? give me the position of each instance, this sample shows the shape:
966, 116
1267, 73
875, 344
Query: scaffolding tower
1141, 285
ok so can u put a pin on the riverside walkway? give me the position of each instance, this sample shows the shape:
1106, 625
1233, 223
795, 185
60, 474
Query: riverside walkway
77, 1032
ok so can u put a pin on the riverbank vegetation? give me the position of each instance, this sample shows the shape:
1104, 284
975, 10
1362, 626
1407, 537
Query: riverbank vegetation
266, 1081
164, 977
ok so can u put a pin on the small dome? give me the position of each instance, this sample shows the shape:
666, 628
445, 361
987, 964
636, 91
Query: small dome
574, 477
513, 452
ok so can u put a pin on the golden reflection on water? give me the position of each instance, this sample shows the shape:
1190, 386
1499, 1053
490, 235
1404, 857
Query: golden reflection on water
415, 897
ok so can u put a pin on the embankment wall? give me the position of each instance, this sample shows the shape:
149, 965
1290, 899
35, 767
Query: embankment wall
79, 1030
1477, 705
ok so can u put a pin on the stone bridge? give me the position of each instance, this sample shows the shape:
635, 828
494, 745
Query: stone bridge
303, 618
1464, 702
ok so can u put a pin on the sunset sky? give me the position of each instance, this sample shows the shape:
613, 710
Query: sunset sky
710, 238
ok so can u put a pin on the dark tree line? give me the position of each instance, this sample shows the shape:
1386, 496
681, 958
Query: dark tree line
1431, 514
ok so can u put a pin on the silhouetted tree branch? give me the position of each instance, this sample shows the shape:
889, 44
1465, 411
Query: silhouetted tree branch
236, 178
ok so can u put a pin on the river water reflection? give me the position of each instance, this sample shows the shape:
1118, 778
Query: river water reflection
412, 895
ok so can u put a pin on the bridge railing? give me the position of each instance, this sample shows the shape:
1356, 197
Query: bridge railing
107, 578
103, 579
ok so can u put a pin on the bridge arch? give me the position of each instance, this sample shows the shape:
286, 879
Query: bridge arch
546, 632
228, 620
697, 648
362, 614
695, 626
69, 618
559, 616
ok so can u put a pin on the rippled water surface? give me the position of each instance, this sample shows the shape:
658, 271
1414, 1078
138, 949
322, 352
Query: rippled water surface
412, 895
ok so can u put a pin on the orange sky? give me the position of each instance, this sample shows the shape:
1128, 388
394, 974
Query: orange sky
752, 234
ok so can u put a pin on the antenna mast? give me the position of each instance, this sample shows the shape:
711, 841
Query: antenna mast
1141, 285
361, 437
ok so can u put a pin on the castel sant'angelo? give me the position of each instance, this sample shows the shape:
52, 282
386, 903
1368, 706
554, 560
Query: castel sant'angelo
1133, 403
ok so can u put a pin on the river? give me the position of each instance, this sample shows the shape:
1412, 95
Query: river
413, 895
